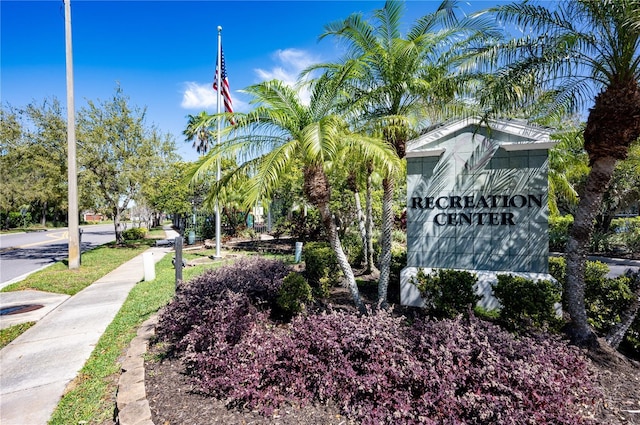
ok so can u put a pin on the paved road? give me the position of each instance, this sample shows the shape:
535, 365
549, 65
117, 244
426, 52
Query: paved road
618, 266
24, 253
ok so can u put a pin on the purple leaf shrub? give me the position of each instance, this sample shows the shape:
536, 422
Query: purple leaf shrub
487, 375
378, 368
255, 278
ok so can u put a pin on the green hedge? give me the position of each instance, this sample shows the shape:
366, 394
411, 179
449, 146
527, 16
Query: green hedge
321, 267
605, 299
527, 303
447, 293
294, 294
134, 233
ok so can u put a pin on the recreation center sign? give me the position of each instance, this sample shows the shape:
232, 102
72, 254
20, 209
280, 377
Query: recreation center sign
477, 197
466, 205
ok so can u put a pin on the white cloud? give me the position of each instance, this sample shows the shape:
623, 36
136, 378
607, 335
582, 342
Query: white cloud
202, 96
198, 96
289, 64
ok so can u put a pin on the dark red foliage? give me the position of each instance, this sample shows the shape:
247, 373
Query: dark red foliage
379, 368
239, 289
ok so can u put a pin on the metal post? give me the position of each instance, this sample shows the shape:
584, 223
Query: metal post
178, 260
80, 245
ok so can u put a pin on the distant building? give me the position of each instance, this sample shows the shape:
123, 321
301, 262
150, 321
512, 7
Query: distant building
92, 216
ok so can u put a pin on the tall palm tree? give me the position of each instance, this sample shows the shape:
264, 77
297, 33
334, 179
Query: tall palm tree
580, 53
281, 132
199, 133
396, 82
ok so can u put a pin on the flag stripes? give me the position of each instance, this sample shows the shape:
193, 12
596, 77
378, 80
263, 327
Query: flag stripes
226, 93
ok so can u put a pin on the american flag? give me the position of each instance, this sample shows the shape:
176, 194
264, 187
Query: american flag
226, 94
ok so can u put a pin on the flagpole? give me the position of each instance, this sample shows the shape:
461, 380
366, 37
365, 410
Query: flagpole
219, 85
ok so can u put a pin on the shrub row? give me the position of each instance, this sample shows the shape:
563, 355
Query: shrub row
379, 368
526, 304
606, 299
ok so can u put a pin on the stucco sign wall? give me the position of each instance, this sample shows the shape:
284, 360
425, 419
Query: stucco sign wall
477, 199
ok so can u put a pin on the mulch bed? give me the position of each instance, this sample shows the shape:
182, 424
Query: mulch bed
174, 400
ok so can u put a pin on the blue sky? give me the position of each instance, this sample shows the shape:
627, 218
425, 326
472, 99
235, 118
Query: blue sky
163, 53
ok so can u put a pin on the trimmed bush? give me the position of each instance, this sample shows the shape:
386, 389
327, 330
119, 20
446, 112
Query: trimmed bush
134, 233
447, 293
605, 300
294, 294
558, 269
321, 267
559, 232
527, 303
352, 246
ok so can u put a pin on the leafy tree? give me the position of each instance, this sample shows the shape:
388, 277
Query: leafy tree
34, 159
281, 133
168, 193
11, 140
394, 82
117, 152
162, 190
568, 52
47, 156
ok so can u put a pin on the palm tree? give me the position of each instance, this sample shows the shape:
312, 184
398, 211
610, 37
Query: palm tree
565, 161
199, 133
571, 51
282, 132
396, 82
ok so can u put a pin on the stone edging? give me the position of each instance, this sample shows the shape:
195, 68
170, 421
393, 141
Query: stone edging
132, 407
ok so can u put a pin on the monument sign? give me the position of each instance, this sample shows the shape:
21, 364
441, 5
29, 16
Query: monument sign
477, 200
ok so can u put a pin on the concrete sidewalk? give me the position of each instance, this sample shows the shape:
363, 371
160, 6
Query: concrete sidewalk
37, 366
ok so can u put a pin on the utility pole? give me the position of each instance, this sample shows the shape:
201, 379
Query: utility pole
74, 228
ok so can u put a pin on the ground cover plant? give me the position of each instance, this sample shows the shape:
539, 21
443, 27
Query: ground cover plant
377, 368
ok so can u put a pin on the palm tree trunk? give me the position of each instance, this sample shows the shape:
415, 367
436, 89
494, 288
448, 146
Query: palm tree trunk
370, 263
343, 261
387, 227
361, 223
597, 183
317, 190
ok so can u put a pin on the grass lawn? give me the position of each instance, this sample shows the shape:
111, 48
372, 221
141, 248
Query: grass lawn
96, 263
9, 334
